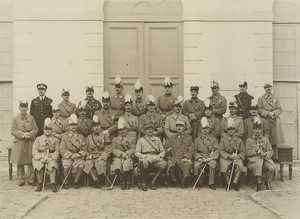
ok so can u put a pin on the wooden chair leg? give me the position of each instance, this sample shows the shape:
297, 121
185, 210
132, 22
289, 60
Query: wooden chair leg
290, 171
281, 172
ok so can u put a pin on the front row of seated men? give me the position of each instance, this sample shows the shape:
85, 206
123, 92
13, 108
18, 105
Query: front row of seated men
176, 157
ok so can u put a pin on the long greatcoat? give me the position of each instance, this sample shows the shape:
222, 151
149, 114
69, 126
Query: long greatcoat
229, 145
22, 148
181, 147
39, 150
122, 145
98, 149
268, 104
262, 143
204, 146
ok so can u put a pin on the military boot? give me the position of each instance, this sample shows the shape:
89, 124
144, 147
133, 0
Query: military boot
53, 186
154, 181
143, 178
39, 187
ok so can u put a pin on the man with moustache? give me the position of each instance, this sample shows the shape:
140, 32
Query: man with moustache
92, 105
243, 100
139, 104
217, 101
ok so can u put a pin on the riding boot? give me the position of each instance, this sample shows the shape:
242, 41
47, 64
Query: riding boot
154, 181
143, 178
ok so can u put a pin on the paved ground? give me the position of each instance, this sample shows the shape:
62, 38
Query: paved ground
23, 202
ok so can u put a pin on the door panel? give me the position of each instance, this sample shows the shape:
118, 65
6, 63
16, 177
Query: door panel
123, 53
163, 56
287, 95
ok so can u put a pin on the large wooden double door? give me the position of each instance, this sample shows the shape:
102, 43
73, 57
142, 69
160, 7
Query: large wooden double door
144, 51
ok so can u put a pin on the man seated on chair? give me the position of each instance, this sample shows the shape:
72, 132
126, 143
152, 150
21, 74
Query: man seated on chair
98, 149
259, 153
72, 149
232, 152
45, 154
207, 153
123, 148
150, 152
179, 150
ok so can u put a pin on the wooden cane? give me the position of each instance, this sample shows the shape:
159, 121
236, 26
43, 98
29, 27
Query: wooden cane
199, 176
45, 171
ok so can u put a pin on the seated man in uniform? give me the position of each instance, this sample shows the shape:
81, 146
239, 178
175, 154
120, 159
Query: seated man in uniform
72, 149
45, 154
84, 126
170, 125
232, 152
59, 124
259, 153
180, 150
123, 148
98, 149
206, 153
152, 117
150, 152
107, 117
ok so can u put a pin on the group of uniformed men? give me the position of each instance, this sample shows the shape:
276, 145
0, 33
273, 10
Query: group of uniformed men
167, 135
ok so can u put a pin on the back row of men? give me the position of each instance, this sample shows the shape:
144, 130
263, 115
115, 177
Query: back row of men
167, 118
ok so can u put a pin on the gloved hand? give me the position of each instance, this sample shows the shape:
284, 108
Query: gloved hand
105, 132
185, 160
43, 160
49, 159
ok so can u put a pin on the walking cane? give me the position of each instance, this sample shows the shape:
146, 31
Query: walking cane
45, 171
66, 177
112, 185
199, 176
228, 187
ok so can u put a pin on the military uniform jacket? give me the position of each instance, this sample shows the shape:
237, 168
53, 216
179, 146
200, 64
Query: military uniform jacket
229, 145
92, 105
248, 128
204, 146
182, 146
237, 123
72, 143
117, 103
149, 146
165, 104
153, 118
244, 102
59, 126
268, 104
107, 119
170, 125
22, 148
123, 144
40, 110
66, 108
219, 105
215, 127
98, 146
84, 126
139, 107
193, 106
132, 124
39, 150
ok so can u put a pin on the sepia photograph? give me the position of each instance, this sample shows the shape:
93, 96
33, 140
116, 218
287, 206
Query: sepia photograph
149, 109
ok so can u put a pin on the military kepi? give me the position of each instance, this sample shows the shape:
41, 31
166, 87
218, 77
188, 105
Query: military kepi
41, 86
23, 104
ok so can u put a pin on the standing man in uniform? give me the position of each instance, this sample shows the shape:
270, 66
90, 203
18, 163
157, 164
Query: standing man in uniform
165, 103
66, 107
259, 153
248, 124
84, 126
45, 153
98, 149
217, 101
237, 121
72, 149
206, 153
170, 124
139, 104
179, 153
194, 110
24, 129
40, 108
108, 118
117, 101
232, 152
59, 124
123, 148
243, 100
92, 105
132, 122
151, 153
270, 109
215, 124
152, 117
